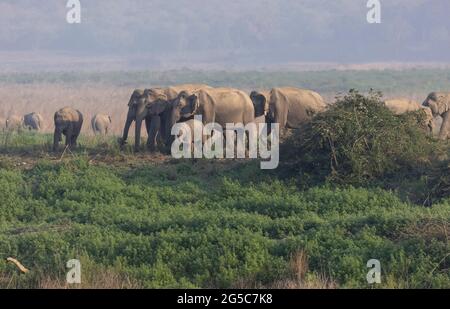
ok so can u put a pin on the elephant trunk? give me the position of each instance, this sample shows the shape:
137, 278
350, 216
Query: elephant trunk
56, 138
137, 142
128, 123
175, 116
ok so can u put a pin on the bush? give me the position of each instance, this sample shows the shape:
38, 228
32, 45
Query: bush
358, 140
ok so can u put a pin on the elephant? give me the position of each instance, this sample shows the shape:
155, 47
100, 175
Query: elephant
261, 104
401, 106
33, 121
289, 107
439, 103
153, 105
68, 121
217, 105
100, 124
14, 123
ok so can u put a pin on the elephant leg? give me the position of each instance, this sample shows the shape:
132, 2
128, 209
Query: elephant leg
155, 125
445, 126
68, 134
56, 139
73, 142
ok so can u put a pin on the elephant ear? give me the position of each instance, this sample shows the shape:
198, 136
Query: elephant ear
192, 106
443, 103
157, 107
135, 96
260, 103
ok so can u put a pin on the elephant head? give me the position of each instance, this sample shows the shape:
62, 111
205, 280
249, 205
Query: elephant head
143, 104
438, 103
184, 106
261, 103
135, 101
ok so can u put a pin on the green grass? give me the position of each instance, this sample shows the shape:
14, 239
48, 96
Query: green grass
206, 224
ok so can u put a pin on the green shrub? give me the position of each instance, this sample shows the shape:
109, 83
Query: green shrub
357, 141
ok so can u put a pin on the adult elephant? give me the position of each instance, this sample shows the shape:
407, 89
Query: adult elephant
290, 107
153, 106
33, 121
439, 103
401, 106
100, 124
14, 123
260, 101
218, 105
68, 122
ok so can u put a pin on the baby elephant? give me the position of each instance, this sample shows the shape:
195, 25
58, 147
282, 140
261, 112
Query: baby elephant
68, 121
100, 124
33, 121
14, 123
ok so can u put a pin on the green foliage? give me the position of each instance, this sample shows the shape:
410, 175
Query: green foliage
181, 225
358, 140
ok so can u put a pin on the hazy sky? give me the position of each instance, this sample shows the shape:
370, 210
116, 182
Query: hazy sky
254, 32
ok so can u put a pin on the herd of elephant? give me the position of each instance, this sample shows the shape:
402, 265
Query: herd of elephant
161, 108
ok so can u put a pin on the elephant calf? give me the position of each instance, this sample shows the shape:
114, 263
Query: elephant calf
100, 124
14, 123
33, 121
68, 121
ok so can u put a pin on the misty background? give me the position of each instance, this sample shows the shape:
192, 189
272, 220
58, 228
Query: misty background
217, 34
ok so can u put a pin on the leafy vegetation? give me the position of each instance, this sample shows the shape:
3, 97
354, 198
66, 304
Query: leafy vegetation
358, 141
199, 225
144, 221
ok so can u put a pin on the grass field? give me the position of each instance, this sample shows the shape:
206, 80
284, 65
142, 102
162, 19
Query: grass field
150, 221
141, 220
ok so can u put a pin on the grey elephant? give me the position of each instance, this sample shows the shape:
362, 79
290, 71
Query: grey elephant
33, 121
68, 122
217, 105
290, 107
401, 106
439, 103
260, 101
100, 124
153, 106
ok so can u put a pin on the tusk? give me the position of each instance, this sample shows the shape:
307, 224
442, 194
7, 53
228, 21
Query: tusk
18, 264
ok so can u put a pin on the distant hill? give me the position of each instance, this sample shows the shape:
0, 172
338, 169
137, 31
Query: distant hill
215, 33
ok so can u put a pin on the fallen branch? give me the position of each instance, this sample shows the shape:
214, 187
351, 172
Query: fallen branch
18, 264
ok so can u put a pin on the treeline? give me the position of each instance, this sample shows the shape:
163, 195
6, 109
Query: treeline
417, 81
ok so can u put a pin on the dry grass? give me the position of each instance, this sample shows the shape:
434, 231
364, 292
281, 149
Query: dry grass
47, 98
90, 99
299, 277
93, 277
429, 229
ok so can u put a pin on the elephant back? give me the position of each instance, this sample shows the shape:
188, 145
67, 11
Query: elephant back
296, 105
401, 106
68, 114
